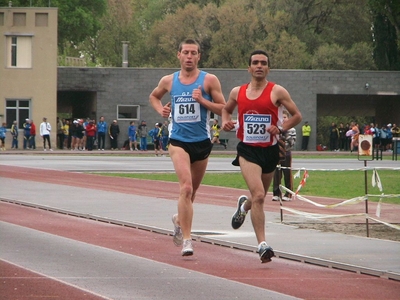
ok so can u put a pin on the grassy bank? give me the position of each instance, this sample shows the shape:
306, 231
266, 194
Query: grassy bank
342, 185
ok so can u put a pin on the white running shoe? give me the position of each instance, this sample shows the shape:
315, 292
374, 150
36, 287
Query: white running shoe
265, 252
239, 216
177, 236
187, 249
285, 198
275, 198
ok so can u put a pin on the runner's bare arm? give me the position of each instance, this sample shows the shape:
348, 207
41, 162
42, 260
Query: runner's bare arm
157, 94
212, 86
227, 123
280, 96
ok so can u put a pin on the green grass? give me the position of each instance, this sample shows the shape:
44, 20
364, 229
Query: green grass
341, 185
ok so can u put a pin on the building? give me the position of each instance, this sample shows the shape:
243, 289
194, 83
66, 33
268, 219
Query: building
31, 85
28, 66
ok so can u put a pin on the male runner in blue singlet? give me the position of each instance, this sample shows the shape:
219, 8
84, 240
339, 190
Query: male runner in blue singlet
194, 93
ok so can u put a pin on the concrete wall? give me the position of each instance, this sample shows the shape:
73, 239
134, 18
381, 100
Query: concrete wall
132, 86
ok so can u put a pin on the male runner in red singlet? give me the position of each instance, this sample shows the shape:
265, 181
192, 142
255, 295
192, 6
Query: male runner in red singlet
260, 107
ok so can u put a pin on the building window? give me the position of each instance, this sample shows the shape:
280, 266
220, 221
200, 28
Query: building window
17, 110
19, 49
131, 112
1, 19
19, 19
41, 20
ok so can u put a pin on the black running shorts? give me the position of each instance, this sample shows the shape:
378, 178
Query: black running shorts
266, 157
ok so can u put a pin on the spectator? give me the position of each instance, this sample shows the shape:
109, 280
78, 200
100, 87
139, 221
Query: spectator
84, 138
101, 133
32, 140
215, 134
368, 130
142, 134
90, 134
60, 134
354, 132
77, 135
3, 131
45, 129
348, 137
389, 137
342, 137
14, 133
165, 135
285, 168
80, 134
156, 135
27, 133
113, 132
395, 130
132, 134
66, 134
306, 132
333, 137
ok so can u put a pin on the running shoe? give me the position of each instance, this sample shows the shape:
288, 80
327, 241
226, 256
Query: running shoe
177, 236
187, 249
275, 198
286, 198
239, 216
265, 252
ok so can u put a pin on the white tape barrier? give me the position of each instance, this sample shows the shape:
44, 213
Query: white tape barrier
376, 181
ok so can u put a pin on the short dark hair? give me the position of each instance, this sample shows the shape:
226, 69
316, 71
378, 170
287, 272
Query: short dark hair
259, 52
190, 42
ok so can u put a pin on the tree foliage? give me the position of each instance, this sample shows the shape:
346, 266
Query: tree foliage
77, 19
386, 33
298, 34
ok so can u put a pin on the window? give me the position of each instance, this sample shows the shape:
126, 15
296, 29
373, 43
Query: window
18, 110
19, 49
130, 112
41, 19
1, 19
19, 19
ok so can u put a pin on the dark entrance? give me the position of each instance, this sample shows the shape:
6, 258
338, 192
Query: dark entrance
363, 109
77, 104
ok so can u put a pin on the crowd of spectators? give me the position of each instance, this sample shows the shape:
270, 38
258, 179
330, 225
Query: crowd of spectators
81, 135
345, 137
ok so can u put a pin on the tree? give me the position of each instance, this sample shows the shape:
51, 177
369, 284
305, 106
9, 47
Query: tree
329, 57
117, 26
236, 37
78, 20
386, 33
188, 22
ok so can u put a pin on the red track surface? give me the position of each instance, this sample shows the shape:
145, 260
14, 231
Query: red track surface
206, 194
292, 278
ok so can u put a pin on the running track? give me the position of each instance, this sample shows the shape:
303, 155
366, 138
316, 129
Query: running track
283, 276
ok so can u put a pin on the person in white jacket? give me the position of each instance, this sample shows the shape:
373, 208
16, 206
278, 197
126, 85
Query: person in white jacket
45, 129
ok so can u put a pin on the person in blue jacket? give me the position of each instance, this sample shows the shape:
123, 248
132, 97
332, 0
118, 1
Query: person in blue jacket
102, 129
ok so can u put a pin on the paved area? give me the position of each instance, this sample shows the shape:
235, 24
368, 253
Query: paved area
151, 206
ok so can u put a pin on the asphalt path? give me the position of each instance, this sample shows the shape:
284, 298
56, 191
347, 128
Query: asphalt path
130, 163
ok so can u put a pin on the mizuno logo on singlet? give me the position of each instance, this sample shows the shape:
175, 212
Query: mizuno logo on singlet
252, 118
183, 99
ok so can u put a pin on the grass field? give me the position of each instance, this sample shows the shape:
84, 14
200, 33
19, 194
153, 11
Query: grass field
341, 185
